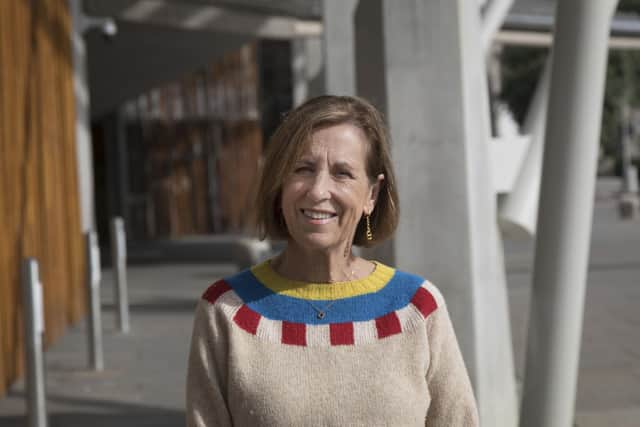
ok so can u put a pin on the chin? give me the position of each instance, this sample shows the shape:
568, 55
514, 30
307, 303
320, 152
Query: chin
316, 243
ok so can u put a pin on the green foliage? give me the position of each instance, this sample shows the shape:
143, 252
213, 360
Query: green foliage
522, 67
629, 6
623, 86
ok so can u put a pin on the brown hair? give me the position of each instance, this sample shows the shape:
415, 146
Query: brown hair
290, 139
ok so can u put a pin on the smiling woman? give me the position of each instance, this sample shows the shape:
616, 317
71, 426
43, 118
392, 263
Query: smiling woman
317, 335
325, 196
293, 144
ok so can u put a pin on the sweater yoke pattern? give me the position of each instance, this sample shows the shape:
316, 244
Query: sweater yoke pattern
268, 311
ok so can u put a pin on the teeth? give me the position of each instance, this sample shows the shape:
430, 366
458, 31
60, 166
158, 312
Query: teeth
316, 215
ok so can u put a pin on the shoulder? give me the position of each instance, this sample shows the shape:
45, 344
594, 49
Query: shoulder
228, 300
425, 296
243, 285
223, 294
215, 291
419, 287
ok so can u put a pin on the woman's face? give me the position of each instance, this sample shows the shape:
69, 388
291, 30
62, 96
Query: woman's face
328, 190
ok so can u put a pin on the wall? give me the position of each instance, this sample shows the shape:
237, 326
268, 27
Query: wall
39, 211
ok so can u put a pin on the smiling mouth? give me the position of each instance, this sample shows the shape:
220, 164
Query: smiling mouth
318, 215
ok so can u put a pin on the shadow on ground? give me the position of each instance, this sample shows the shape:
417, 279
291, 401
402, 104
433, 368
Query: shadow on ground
159, 305
163, 418
82, 413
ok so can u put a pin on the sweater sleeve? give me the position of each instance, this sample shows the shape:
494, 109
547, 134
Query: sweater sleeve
207, 373
452, 399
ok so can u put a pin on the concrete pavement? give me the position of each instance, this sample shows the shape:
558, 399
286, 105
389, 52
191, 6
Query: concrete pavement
143, 381
609, 376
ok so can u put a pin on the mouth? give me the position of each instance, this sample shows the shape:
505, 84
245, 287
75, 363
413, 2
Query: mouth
318, 215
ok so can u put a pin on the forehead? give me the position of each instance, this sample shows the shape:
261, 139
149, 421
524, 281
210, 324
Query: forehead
339, 142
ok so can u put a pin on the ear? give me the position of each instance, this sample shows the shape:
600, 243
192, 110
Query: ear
374, 191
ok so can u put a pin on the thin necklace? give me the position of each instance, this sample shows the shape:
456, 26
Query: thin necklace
321, 312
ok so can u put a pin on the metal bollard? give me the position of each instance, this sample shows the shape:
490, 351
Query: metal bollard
119, 261
631, 179
32, 304
96, 358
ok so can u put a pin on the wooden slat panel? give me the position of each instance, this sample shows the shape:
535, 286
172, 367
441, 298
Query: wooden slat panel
39, 209
4, 255
14, 34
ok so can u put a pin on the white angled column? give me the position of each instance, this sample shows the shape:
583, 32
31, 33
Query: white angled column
566, 207
422, 64
307, 68
518, 211
84, 151
493, 17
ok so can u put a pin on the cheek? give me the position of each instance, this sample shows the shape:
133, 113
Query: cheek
354, 200
290, 192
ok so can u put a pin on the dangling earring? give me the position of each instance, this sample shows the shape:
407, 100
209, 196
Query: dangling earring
369, 233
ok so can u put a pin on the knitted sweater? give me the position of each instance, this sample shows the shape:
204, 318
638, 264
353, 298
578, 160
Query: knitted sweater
384, 353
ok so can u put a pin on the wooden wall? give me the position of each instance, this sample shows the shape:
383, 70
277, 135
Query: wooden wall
193, 151
39, 208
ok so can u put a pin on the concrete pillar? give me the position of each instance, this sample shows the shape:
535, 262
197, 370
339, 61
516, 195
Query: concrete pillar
494, 84
518, 211
422, 64
84, 151
566, 207
307, 69
493, 16
339, 46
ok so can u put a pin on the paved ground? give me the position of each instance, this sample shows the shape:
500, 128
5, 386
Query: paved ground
143, 383
609, 377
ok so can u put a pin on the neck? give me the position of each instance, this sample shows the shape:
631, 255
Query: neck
306, 265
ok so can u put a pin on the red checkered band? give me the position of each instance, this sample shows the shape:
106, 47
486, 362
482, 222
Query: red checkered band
424, 302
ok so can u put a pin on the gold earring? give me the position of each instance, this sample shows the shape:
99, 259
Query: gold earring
369, 233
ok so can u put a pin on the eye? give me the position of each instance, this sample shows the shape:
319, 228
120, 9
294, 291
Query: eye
302, 169
344, 174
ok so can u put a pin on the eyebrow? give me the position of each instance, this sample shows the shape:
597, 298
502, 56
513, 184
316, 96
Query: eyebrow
305, 160
343, 165
338, 164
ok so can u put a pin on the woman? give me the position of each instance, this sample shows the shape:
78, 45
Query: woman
316, 335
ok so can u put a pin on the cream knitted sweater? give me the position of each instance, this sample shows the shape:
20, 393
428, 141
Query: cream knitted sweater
380, 351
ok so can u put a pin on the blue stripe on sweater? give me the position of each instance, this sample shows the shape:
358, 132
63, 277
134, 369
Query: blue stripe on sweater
395, 295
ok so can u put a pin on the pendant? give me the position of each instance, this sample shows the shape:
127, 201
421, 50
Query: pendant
321, 315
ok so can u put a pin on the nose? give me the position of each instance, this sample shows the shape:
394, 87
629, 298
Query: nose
320, 187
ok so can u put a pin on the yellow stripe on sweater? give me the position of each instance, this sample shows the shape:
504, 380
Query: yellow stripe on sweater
323, 291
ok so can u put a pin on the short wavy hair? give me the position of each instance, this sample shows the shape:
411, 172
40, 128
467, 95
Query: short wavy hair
289, 141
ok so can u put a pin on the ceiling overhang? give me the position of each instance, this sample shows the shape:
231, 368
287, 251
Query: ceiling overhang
260, 19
